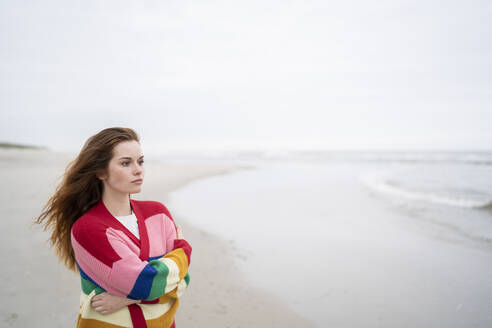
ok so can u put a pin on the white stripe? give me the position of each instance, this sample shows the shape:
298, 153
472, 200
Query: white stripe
120, 317
173, 277
181, 287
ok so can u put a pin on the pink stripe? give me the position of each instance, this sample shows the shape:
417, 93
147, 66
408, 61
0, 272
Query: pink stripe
120, 275
156, 233
162, 233
115, 238
124, 272
171, 235
96, 269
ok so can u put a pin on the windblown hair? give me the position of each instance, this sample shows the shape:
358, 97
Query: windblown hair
80, 189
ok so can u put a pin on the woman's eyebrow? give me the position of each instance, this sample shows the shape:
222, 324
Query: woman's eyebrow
130, 157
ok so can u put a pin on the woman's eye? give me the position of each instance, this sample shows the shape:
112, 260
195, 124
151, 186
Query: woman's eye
124, 163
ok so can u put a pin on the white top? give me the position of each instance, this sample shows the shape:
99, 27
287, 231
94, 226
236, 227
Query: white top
130, 222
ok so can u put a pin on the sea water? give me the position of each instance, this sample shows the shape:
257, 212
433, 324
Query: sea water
359, 239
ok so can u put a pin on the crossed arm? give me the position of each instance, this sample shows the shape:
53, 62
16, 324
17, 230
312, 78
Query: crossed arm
124, 278
107, 303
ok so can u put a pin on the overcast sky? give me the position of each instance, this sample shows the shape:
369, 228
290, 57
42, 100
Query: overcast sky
244, 74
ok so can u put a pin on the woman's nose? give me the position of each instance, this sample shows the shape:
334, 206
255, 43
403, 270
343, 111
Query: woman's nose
138, 169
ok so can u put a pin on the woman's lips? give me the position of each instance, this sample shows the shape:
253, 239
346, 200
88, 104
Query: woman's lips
139, 181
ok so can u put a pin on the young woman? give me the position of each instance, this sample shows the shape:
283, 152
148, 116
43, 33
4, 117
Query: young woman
132, 258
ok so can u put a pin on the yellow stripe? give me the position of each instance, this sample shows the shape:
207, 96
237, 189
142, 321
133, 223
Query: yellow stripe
178, 256
91, 323
164, 320
153, 311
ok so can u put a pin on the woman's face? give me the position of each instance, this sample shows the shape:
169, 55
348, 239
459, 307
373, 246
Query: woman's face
124, 168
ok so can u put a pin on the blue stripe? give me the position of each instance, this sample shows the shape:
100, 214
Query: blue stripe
156, 257
143, 285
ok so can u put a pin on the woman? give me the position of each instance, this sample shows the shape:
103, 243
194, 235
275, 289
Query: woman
132, 258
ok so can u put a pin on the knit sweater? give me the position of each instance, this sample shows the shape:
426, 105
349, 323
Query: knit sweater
111, 259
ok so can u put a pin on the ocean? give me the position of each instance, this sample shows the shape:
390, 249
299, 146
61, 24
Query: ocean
357, 239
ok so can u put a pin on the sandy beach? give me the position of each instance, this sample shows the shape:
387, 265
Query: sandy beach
328, 250
40, 292
344, 255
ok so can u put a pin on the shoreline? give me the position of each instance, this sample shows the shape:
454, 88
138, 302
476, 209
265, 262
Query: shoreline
218, 296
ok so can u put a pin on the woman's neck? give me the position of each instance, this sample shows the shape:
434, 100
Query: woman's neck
117, 204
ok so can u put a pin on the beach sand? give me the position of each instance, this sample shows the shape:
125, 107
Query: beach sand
345, 256
38, 291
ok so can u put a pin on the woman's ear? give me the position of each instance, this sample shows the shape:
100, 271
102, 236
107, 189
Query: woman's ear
101, 176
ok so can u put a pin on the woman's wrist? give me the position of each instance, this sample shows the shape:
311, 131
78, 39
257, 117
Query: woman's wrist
130, 301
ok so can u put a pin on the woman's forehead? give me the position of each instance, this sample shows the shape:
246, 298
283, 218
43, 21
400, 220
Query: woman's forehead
128, 150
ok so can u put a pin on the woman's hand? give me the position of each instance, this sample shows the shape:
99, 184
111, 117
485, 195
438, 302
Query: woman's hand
178, 232
106, 303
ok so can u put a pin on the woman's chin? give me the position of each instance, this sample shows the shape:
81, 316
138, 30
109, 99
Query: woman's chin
136, 190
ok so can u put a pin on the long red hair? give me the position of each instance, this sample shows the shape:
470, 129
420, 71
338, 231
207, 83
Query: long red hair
80, 189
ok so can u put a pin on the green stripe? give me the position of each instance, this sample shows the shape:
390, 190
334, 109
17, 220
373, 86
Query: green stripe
88, 287
160, 279
187, 279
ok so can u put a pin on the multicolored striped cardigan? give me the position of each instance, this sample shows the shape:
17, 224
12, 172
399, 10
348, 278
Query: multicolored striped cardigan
111, 259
